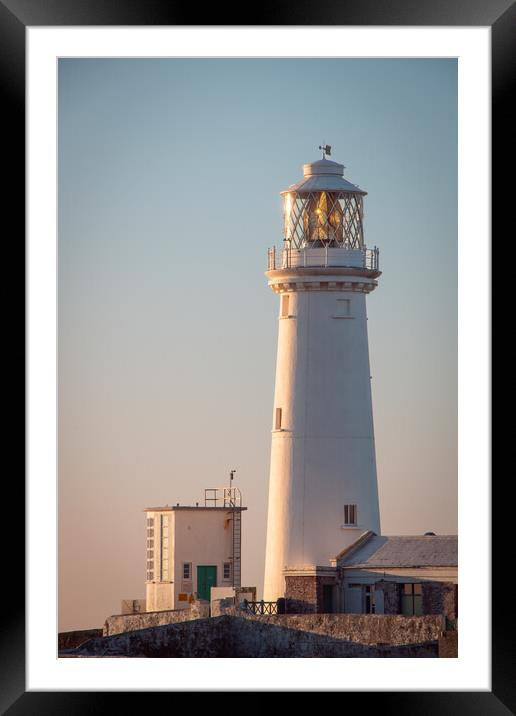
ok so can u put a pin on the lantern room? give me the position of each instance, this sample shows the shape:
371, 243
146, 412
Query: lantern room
323, 221
324, 209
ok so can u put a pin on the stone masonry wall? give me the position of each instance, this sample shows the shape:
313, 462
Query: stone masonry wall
440, 598
300, 594
364, 628
71, 639
275, 636
304, 594
120, 623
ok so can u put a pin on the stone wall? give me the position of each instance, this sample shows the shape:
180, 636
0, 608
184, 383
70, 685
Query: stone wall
448, 645
72, 639
363, 628
440, 598
291, 637
304, 593
276, 636
222, 606
120, 623
300, 594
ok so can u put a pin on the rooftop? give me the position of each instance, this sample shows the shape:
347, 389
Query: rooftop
373, 551
170, 508
324, 175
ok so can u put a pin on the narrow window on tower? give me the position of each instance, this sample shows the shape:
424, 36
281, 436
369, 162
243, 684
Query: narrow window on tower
350, 514
227, 570
343, 308
284, 305
277, 425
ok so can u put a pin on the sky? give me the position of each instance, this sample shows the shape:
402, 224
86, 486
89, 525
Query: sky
169, 173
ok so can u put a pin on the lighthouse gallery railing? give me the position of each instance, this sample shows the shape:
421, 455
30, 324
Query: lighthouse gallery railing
323, 257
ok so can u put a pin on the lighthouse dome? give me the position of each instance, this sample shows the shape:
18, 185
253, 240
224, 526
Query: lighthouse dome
324, 175
323, 166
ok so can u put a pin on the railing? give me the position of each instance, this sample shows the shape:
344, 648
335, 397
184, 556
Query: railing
222, 497
260, 608
323, 258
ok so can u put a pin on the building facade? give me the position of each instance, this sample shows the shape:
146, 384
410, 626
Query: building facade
409, 575
191, 549
323, 487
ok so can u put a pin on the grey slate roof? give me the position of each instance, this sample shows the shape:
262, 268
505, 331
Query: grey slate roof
324, 182
403, 551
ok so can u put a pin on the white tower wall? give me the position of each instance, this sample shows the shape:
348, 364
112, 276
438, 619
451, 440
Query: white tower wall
323, 457
323, 453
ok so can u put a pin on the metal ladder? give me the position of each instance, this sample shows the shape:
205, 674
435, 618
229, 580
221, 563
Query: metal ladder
237, 546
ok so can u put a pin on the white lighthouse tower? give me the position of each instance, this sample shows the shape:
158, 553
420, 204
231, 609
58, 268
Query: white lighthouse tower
323, 489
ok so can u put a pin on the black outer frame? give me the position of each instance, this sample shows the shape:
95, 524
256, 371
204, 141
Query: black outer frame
500, 15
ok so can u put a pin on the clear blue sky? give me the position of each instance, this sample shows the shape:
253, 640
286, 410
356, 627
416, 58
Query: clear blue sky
169, 180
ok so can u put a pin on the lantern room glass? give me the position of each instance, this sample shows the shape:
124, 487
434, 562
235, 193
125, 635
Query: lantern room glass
331, 219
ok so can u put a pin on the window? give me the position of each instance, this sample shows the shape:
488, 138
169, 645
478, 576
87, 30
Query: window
343, 308
350, 514
150, 521
277, 425
150, 544
369, 603
411, 599
150, 576
227, 570
164, 548
150, 554
284, 305
187, 570
150, 533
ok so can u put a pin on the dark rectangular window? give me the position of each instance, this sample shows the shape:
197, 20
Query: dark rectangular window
369, 605
277, 425
187, 570
411, 599
350, 514
227, 570
284, 305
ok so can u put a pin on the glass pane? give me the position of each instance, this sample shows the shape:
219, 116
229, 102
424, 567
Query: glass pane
418, 589
418, 604
407, 588
406, 605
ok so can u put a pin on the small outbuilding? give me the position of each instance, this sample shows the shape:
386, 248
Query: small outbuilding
410, 575
191, 549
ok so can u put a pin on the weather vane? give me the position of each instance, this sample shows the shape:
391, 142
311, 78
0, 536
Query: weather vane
326, 149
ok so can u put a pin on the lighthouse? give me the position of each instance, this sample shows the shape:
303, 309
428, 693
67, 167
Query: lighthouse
323, 491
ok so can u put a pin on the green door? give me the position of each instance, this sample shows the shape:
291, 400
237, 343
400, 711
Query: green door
206, 579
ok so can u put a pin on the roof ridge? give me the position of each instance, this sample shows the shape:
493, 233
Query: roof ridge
364, 537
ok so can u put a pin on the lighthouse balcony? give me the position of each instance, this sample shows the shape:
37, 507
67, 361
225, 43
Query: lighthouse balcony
323, 257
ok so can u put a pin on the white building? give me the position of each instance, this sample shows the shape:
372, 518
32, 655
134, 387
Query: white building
191, 549
323, 488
